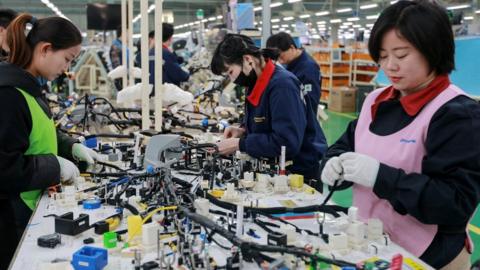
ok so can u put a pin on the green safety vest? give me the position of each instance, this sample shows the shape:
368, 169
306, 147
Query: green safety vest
42, 140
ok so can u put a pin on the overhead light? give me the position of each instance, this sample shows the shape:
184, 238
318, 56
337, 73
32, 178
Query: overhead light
304, 16
369, 25
151, 8
353, 19
293, 1
275, 20
369, 6
316, 36
204, 20
293, 25
336, 21
458, 7
344, 26
257, 8
211, 19
219, 17
255, 23
54, 8
372, 17
393, 2
285, 25
468, 18
288, 18
281, 29
321, 22
343, 10
347, 23
356, 26
276, 4
322, 13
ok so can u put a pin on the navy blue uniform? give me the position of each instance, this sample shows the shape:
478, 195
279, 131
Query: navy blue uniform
172, 72
308, 72
281, 119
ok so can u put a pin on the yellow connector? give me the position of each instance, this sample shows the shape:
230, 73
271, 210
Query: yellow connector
296, 181
134, 226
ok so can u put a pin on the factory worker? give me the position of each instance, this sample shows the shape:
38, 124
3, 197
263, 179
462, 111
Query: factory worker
33, 156
413, 155
300, 63
275, 112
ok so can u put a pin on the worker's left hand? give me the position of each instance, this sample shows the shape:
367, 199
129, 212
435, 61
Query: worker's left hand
83, 153
359, 168
228, 146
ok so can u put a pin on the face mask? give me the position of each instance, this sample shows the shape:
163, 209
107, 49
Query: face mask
42, 81
246, 80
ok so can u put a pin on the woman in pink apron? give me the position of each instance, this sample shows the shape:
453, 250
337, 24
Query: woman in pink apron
413, 155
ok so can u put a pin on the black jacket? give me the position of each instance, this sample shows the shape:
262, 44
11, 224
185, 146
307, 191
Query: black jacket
447, 190
20, 172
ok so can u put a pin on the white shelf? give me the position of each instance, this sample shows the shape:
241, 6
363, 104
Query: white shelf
363, 61
363, 83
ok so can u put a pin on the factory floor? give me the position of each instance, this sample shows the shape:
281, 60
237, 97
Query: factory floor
334, 128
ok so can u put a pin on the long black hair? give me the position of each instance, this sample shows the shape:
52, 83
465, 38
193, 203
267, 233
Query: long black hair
232, 49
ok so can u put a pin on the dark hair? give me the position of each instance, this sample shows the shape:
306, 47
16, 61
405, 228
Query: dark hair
232, 49
167, 31
151, 34
6, 17
425, 25
60, 32
281, 41
118, 31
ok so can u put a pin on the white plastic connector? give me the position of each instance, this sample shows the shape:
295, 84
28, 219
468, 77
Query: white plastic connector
150, 234
263, 184
356, 233
352, 214
248, 176
202, 206
374, 229
230, 194
338, 241
280, 184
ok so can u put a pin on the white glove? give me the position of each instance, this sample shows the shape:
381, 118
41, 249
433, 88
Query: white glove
68, 170
332, 172
359, 168
83, 153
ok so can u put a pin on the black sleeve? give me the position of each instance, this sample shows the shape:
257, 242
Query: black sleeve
20, 172
65, 143
346, 143
448, 189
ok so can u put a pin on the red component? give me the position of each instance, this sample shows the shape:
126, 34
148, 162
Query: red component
397, 262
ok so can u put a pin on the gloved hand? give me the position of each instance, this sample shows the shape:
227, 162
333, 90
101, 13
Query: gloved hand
359, 168
68, 171
233, 132
83, 153
332, 171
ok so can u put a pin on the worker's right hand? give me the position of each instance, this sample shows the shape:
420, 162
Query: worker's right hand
68, 171
233, 132
332, 172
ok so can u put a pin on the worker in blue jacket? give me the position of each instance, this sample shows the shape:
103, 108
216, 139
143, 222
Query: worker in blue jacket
172, 72
299, 63
275, 111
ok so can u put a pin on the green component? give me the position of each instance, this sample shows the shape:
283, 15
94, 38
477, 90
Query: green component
110, 239
369, 266
42, 140
323, 265
200, 14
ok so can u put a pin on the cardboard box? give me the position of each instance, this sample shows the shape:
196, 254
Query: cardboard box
342, 99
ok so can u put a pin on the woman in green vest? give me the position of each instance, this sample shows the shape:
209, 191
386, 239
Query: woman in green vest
33, 156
